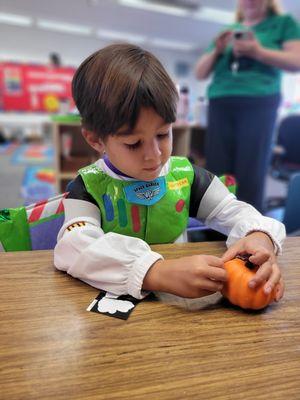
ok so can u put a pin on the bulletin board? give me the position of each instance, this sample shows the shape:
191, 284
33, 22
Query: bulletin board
34, 88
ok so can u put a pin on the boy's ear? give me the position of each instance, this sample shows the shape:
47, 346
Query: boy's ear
93, 140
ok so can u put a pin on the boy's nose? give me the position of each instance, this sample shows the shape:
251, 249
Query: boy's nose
152, 151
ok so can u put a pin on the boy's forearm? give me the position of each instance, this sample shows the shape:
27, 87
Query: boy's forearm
189, 277
152, 280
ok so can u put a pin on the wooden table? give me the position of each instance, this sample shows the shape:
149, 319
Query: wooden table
52, 348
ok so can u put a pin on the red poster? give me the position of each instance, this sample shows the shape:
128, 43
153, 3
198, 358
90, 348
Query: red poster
35, 88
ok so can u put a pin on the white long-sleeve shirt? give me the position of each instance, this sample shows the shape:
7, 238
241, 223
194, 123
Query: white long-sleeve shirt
118, 264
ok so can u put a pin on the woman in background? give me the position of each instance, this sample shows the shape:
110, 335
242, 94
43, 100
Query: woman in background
246, 60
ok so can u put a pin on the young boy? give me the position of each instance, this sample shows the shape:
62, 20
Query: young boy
137, 194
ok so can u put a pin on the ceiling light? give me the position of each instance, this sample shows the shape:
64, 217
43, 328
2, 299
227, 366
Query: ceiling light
92, 3
211, 14
165, 9
170, 44
13, 19
215, 15
123, 36
64, 27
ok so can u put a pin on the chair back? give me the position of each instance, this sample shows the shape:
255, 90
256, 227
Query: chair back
289, 138
291, 217
194, 225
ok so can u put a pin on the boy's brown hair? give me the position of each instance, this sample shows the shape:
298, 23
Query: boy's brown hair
112, 85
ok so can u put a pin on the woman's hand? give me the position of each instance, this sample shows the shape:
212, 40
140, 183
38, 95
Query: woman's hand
247, 47
191, 277
222, 41
205, 64
261, 250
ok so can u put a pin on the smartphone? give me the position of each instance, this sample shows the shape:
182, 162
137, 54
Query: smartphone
240, 35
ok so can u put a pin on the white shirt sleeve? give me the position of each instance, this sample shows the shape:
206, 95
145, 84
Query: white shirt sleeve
111, 262
220, 210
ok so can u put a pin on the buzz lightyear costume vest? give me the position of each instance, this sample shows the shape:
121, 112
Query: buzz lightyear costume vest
156, 211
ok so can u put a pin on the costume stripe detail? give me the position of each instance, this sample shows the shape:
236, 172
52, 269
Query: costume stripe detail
37, 211
135, 216
45, 209
60, 207
122, 213
108, 206
76, 225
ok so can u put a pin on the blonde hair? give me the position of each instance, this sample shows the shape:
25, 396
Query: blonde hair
273, 6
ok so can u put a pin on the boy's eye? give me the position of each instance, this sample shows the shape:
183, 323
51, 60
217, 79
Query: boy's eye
133, 146
136, 145
163, 135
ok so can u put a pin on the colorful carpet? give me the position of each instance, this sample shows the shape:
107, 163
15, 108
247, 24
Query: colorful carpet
38, 184
8, 148
33, 154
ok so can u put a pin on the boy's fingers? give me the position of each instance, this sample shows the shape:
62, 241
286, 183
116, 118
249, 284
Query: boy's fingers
279, 290
214, 261
217, 274
206, 292
260, 257
272, 281
232, 252
210, 285
262, 274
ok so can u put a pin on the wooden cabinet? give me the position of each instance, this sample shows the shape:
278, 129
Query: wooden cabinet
71, 151
189, 141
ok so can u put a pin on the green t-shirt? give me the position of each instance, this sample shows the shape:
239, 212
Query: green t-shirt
253, 78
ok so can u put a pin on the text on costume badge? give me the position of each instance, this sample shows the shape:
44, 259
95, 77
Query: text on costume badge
146, 193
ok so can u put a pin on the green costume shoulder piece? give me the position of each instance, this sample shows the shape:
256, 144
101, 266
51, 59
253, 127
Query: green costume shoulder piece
161, 222
14, 229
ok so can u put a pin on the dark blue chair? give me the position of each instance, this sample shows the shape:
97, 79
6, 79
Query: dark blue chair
197, 231
285, 159
291, 217
286, 153
290, 213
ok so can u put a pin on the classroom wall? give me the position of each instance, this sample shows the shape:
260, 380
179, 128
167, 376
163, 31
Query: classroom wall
80, 47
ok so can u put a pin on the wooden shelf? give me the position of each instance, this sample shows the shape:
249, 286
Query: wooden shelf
71, 152
67, 175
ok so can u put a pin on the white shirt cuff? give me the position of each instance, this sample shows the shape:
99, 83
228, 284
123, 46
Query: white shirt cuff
138, 272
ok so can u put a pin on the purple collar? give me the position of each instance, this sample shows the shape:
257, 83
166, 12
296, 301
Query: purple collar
113, 168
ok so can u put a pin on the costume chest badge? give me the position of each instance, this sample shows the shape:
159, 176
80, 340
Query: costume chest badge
146, 193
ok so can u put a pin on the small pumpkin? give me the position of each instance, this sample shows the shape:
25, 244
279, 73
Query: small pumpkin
236, 289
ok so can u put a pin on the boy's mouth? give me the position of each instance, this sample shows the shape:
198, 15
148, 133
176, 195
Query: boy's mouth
152, 169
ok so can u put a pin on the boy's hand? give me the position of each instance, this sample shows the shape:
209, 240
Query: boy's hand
261, 250
191, 277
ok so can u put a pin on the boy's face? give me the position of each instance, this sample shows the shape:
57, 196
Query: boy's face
142, 152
